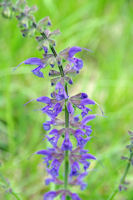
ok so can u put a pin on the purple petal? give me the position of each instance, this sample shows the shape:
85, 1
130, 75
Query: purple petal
70, 108
53, 140
44, 99
88, 156
78, 64
82, 141
66, 145
63, 197
50, 195
46, 126
76, 118
49, 180
84, 95
43, 152
75, 168
86, 165
83, 186
87, 101
55, 167
45, 49
57, 108
79, 132
75, 196
37, 72
33, 61
73, 51
54, 132
88, 118
70, 82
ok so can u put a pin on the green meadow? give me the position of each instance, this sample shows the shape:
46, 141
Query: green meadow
105, 27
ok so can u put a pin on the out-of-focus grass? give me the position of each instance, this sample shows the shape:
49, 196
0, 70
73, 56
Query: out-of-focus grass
106, 28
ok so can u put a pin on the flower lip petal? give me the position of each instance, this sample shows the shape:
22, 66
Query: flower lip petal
46, 126
42, 152
74, 196
44, 99
88, 118
88, 156
37, 72
87, 101
73, 51
50, 195
33, 61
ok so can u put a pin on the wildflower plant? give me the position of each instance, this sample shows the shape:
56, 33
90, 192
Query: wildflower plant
67, 132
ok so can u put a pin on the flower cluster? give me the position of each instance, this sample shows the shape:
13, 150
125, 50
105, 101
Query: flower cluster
64, 131
68, 132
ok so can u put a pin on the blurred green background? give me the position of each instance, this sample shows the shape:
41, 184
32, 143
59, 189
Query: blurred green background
105, 27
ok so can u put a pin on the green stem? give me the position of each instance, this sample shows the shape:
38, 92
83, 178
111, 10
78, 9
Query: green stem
66, 152
66, 165
122, 181
16, 196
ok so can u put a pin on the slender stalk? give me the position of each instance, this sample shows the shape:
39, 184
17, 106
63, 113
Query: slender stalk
122, 181
66, 152
66, 165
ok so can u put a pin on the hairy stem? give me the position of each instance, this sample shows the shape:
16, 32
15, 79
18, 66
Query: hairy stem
122, 181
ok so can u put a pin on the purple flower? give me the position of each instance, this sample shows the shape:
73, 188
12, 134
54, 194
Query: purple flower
53, 179
53, 107
61, 90
74, 196
82, 141
66, 145
37, 72
41, 63
88, 118
79, 181
54, 171
53, 157
47, 126
50, 195
70, 108
53, 140
44, 99
81, 156
74, 169
80, 101
34, 61
72, 51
